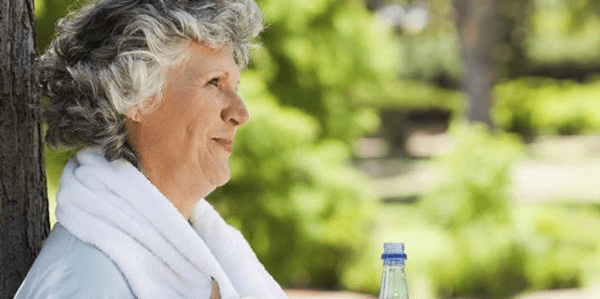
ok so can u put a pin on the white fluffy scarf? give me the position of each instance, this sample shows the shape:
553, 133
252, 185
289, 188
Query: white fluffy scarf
114, 207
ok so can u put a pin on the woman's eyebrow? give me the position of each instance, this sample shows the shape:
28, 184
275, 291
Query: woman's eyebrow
214, 74
223, 74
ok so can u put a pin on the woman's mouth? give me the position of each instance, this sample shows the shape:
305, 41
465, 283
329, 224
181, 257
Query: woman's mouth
227, 144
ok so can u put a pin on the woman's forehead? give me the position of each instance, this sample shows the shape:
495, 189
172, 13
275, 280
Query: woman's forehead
205, 59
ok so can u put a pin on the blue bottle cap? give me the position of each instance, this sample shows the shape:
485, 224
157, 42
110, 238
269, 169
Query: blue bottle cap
393, 251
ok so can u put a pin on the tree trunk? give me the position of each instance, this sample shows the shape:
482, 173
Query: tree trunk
477, 27
24, 222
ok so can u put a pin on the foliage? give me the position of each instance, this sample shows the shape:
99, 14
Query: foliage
415, 94
546, 247
47, 12
486, 262
564, 31
532, 106
428, 57
476, 181
562, 245
322, 57
533, 35
56, 159
498, 249
473, 203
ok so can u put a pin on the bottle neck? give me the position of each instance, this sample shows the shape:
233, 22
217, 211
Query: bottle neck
393, 262
393, 281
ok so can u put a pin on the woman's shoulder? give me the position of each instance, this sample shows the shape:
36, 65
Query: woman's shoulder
70, 268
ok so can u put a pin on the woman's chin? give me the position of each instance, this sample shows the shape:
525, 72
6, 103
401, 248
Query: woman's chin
221, 178
222, 182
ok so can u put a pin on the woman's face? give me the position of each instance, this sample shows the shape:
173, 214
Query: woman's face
186, 141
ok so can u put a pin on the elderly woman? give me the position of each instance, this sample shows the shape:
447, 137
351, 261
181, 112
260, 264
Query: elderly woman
150, 86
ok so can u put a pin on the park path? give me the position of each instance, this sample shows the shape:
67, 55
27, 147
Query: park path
534, 180
555, 169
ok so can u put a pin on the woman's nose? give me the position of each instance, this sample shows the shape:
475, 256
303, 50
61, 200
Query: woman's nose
235, 112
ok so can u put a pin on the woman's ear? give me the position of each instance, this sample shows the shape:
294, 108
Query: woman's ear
134, 114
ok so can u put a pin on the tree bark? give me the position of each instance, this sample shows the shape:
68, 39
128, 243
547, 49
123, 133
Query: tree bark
477, 27
24, 222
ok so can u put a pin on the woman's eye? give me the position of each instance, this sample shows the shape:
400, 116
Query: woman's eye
214, 81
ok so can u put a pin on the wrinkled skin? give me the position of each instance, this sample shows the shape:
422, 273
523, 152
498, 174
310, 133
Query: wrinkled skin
185, 142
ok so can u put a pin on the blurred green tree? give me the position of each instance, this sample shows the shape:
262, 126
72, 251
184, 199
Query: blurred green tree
324, 57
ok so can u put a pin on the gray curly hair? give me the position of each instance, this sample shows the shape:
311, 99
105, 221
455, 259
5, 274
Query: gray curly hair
113, 55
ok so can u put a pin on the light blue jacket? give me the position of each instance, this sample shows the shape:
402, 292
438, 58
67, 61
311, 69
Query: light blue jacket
70, 268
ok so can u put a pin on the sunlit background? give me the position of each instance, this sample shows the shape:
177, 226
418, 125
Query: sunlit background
469, 130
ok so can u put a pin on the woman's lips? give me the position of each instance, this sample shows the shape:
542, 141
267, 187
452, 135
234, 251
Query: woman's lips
227, 144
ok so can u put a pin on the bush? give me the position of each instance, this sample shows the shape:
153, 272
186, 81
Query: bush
531, 106
486, 262
476, 181
498, 248
563, 245
474, 205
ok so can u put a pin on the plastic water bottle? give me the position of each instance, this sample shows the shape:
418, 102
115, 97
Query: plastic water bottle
393, 278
